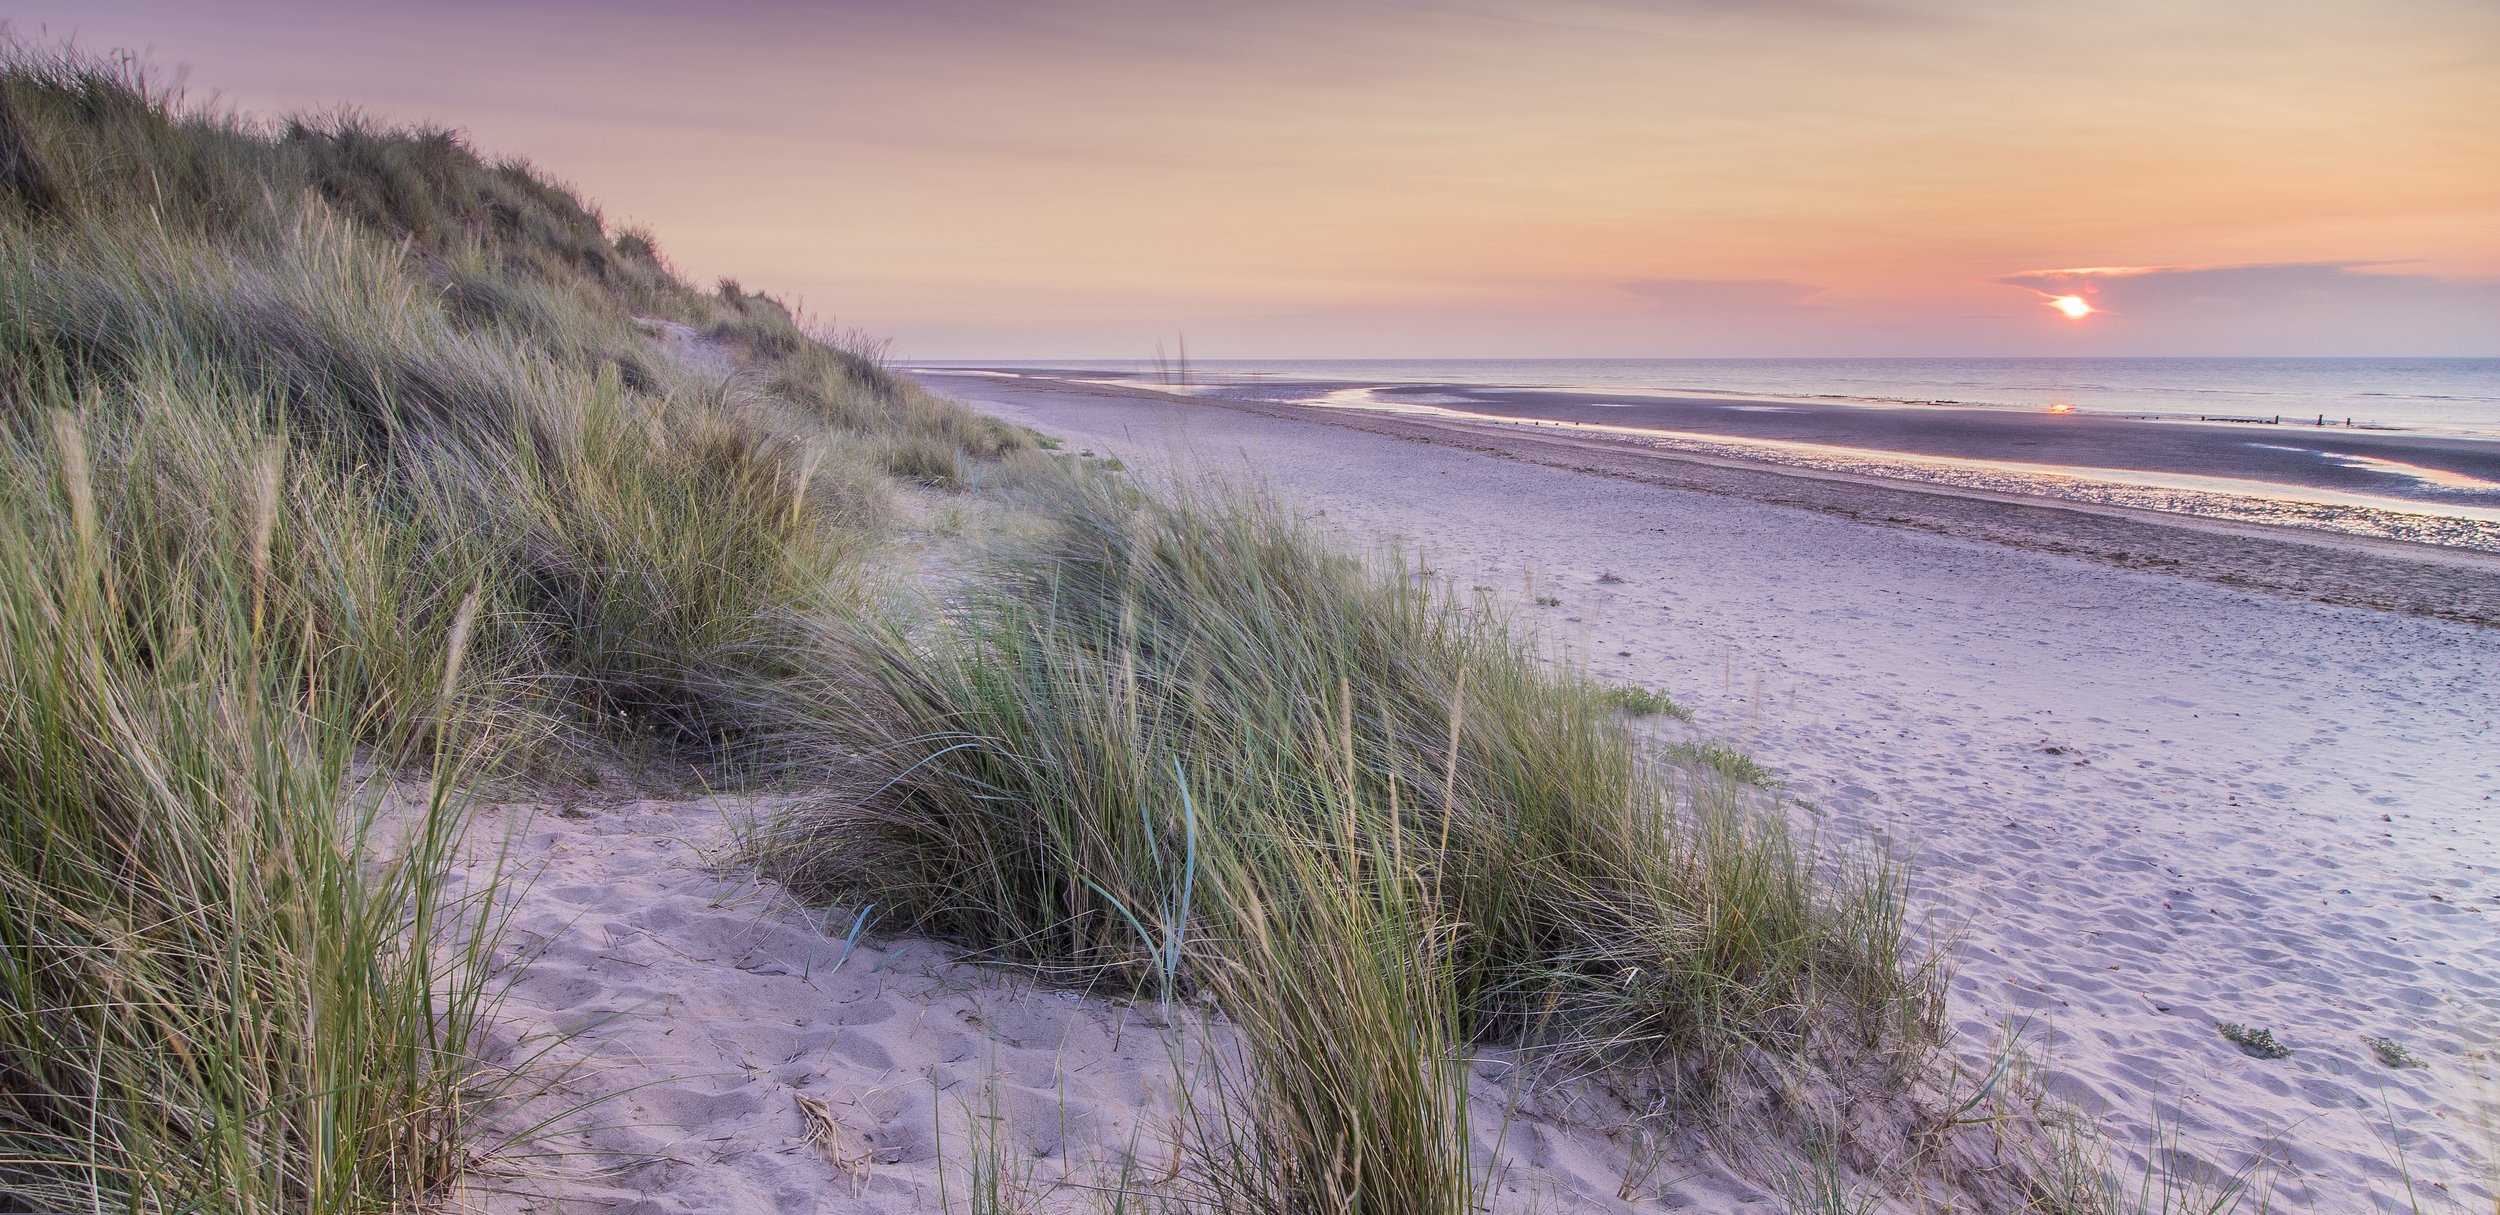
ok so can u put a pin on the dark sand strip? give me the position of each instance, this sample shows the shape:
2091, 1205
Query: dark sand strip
2291, 452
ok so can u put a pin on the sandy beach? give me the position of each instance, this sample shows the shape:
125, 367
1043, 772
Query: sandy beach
693, 1039
2137, 804
2143, 803
1809, 609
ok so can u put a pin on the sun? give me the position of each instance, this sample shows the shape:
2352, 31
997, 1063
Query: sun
2074, 306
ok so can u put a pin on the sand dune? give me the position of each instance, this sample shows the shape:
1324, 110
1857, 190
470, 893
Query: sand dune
694, 1040
740, 1056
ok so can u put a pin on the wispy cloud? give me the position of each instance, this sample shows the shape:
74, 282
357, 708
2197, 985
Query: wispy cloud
2285, 307
1754, 298
2228, 279
1627, 15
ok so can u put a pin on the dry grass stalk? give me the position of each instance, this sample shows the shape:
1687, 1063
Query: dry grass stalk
269, 476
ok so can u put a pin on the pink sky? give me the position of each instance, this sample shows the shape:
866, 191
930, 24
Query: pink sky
1487, 178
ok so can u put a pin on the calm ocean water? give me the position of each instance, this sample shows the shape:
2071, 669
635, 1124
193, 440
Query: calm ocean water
2445, 396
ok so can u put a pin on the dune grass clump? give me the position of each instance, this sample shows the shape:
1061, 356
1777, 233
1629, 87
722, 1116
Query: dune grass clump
1184, 745
1642, 702
924, 460
1033, 754
2392, 1053
1721, 762
210, 997
1328, 959
2254, 1041
1026, 801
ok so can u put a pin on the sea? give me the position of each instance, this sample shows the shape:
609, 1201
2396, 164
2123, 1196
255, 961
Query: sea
2450, 396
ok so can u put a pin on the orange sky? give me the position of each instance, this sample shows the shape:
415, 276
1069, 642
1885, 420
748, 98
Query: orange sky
1491, 178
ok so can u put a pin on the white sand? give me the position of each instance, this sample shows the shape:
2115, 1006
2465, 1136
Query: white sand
2251, 806
704, 1013
696, 1041
2148, 803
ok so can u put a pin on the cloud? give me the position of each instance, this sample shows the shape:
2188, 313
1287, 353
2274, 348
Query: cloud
1750, 298
2322, 308
1629, 15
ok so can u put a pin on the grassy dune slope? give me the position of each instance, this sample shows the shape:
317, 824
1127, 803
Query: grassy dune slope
334, 450
324, 441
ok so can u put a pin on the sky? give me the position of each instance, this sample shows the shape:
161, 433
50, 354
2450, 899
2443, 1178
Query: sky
1001, 179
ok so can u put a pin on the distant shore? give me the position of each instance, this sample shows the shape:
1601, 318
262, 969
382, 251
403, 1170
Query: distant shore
2444, 581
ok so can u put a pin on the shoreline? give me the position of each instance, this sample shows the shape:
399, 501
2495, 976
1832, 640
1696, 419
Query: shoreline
1898, 384
2327, 567
2433, 487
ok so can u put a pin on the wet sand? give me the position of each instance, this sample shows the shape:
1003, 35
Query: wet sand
2287, 451
2308, 452
2355, 571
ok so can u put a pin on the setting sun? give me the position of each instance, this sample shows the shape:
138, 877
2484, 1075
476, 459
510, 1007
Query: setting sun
2074, 306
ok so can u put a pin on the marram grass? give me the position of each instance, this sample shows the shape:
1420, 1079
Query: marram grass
220, 989
1031, 751
336, 462
1401, 831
